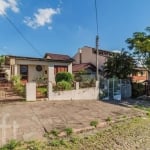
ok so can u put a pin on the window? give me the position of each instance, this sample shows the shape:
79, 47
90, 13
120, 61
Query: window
24, 72
60, 69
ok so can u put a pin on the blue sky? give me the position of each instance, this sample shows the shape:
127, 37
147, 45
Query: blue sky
63, 26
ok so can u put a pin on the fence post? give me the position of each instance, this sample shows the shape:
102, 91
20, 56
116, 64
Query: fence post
30, 91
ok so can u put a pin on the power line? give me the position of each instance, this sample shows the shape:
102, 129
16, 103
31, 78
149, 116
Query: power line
21, 34
4, 50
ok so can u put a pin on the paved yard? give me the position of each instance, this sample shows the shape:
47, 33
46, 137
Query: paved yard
34, 118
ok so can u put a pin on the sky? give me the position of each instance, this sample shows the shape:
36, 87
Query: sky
35, 27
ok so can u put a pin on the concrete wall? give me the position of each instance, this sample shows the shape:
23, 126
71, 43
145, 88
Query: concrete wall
51, 75
78, 94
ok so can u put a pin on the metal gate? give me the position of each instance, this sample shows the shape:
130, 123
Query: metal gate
115, 89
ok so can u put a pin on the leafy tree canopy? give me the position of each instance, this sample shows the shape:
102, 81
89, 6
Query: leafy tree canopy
120, 65
2, 59
140, 44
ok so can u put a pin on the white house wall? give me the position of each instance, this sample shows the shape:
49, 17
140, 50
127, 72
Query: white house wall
51, 75
46, 67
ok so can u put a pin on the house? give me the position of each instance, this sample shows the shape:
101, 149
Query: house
84, 68
141, 74
85, 59
30, 68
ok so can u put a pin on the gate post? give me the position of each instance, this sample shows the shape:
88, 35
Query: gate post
50, 90
31, 91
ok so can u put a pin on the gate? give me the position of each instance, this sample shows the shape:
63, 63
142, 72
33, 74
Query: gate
115, 89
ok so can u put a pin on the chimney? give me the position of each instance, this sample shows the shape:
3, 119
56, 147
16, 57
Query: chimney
80, 59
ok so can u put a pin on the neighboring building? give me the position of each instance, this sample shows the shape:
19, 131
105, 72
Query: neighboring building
85, 68
31, 68
85, 59
141, 74
88, 55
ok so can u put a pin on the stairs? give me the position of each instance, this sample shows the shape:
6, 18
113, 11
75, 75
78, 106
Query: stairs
7, 93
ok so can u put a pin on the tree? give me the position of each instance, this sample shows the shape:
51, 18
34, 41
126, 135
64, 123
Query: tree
120, 65
2, 59
140, 44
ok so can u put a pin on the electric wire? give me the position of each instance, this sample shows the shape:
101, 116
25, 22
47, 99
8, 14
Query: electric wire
21, 34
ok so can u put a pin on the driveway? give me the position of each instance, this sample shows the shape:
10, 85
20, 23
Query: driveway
30, 120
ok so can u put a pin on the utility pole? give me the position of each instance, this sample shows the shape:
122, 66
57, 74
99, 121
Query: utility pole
97, 44
97, 54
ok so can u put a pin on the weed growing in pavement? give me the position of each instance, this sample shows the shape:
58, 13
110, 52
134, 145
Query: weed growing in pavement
108, 119
55, 132
11, 145
68, 131
94, 123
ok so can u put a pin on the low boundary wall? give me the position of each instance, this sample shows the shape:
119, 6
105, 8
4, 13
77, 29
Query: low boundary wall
77, 94
91, 93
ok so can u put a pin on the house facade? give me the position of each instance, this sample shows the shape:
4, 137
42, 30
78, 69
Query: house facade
141, 74
88, 55
85, 59
31, 69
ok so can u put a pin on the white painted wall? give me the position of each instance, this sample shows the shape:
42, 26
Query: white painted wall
31, 91
78, 94
46, 66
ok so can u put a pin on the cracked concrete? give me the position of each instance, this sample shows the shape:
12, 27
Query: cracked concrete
34, 118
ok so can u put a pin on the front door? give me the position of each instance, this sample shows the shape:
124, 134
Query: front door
24, 72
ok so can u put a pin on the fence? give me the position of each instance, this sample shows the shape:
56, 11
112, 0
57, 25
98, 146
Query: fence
115, 89
91, 93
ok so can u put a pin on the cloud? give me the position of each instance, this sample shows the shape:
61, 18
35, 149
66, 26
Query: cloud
41, 18
8, 4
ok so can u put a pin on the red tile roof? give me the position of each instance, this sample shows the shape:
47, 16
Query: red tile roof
58, 57
83, 66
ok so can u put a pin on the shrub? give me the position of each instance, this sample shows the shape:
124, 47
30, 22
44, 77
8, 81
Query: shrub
42, 90
63, 85
16, 79
18, 86
138, 89
64, 76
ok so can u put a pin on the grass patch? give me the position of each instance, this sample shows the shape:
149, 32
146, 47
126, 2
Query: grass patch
142, 107
68, 131
117, 136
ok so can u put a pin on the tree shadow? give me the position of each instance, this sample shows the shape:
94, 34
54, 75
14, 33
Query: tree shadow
130, 103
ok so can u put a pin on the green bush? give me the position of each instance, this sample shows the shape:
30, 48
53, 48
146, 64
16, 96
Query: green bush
18, 86
63, 85
16, 79
64, 76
